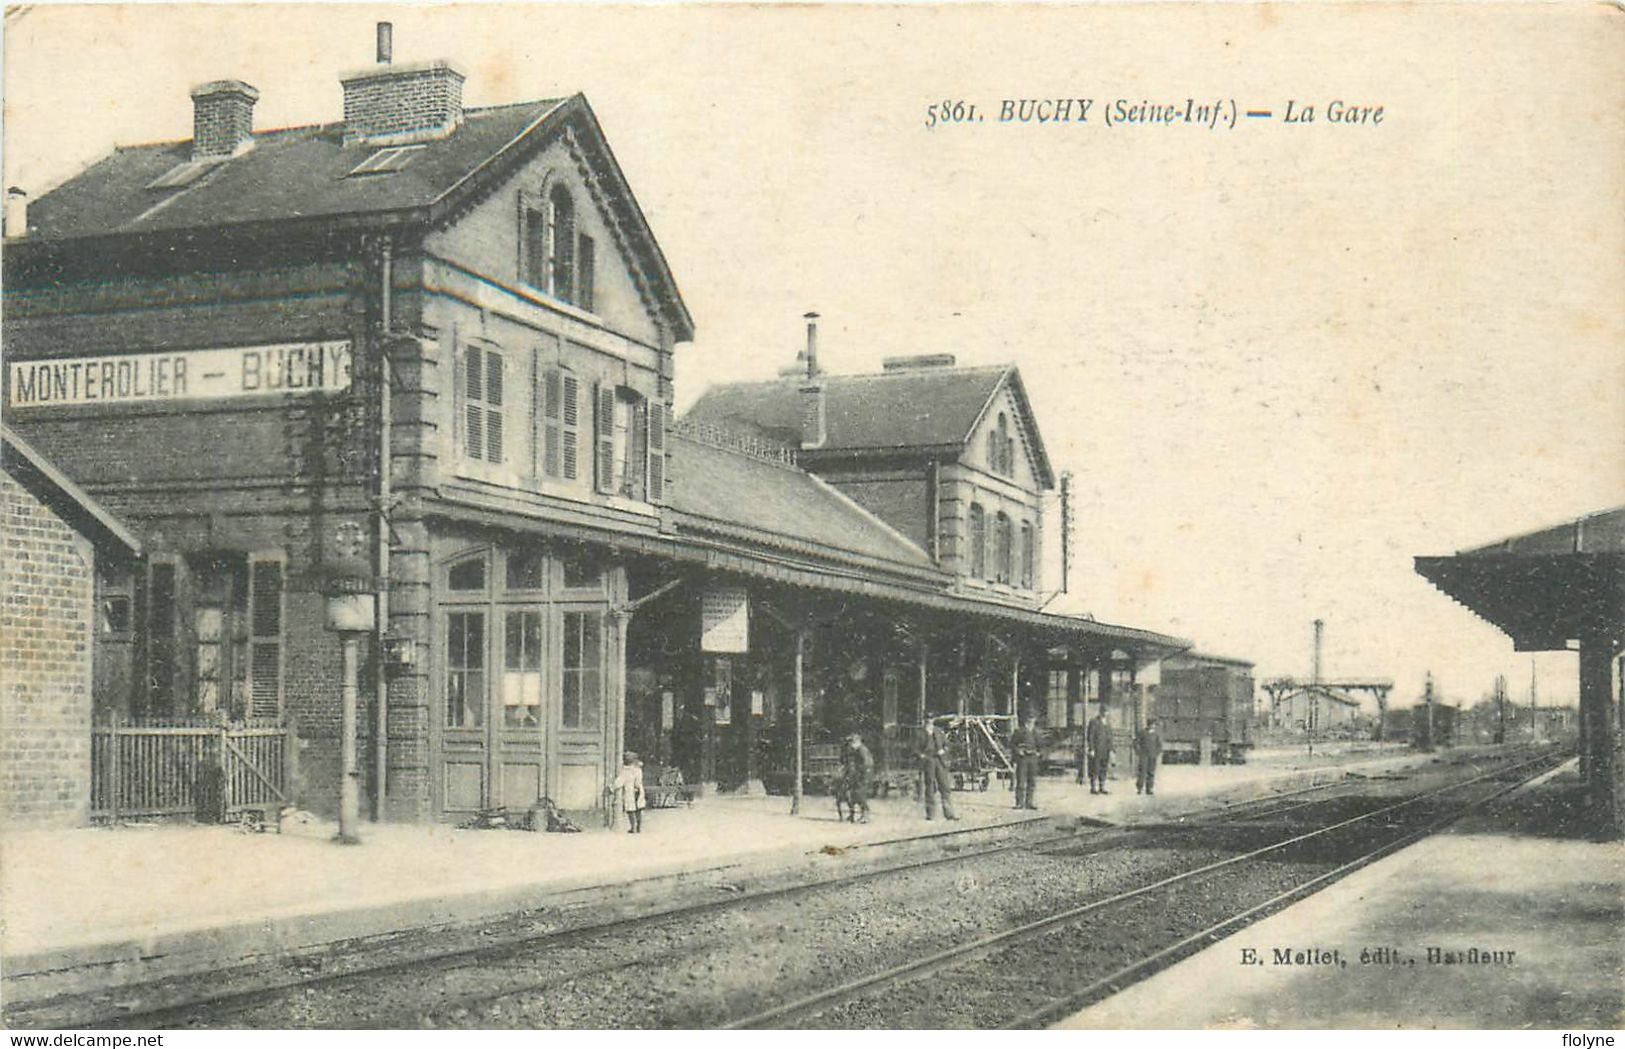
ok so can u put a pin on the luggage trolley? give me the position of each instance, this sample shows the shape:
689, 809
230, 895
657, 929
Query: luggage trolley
977, 748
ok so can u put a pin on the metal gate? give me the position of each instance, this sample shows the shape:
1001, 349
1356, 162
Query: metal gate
169, 767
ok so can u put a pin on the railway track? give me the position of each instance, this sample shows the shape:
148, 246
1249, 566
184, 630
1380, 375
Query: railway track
513, 974
175, 1002
912, 994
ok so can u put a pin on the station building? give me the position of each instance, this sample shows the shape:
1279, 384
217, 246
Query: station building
403, 382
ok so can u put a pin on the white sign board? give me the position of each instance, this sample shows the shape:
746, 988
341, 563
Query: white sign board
244, 371
725, 619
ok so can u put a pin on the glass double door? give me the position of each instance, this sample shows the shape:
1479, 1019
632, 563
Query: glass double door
499, 722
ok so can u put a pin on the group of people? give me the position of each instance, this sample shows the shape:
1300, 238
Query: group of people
858, 768
1095, 755
1026, 751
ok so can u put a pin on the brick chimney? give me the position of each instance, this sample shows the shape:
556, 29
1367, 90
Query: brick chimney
398, 104
814, 421
222, 118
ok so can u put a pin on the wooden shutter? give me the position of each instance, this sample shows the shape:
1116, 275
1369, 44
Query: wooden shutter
657, 452
473, 402
977, 559
522, 261
162, 619
493, 406
532, 240
585, 262
265, 638
570, 448
552, 422
605, 433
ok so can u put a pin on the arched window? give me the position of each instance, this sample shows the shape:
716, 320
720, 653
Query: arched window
978, 541
561, 228
1002, 551
995, 451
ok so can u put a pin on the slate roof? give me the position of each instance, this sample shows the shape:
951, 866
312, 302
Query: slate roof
922, 409
299, 175
726, 492
296, 173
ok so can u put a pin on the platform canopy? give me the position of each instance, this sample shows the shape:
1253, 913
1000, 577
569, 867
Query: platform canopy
1544, 588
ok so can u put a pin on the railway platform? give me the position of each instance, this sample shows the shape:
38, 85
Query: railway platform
211, 895
1509, 920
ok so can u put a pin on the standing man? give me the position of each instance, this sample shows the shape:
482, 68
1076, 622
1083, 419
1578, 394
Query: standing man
1147, 751
1098, 742
1024, 748
936, 779
857, 769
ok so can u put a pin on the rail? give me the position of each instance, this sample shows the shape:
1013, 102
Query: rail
911, 971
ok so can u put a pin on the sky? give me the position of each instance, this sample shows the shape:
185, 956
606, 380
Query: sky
1279, 360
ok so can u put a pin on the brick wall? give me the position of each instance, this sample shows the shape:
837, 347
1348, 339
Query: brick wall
46, 587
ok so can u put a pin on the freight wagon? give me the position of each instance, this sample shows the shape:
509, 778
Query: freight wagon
1204, 709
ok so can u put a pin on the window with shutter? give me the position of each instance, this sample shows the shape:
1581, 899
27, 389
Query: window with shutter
978, 540
552, 422
562, 242
605, 434
631, 445
265, 638
657, 452
1001, 552
586, 261
1028, 554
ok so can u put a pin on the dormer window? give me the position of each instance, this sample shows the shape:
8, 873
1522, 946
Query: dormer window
556, 256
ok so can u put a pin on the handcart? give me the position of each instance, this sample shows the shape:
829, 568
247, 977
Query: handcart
977, 748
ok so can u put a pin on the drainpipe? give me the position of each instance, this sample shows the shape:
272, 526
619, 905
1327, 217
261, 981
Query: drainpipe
381, 628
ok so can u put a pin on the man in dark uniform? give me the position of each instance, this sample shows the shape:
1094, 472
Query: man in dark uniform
1024, 751
857, 769
1147, 752
1098, 742
937, 781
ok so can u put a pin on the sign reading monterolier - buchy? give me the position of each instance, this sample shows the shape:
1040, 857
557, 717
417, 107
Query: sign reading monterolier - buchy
243, 371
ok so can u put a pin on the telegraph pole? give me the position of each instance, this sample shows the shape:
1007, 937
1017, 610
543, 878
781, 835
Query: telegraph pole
1500, 708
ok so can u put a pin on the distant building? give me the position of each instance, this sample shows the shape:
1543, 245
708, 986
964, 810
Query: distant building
950, 457
1320, 711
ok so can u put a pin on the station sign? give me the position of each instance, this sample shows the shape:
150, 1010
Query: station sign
725, 619
130, 378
